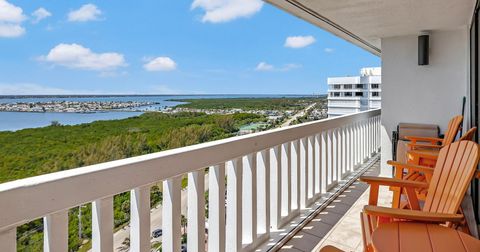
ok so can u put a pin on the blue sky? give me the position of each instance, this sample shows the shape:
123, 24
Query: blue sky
166, 47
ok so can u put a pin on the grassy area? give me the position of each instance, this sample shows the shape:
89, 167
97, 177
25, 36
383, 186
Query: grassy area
251, 103
38, 151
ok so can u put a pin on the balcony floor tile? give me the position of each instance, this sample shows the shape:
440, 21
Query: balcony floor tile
339, 223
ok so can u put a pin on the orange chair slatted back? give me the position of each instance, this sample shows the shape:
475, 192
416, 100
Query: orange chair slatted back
469, 135
453, 127
453, 172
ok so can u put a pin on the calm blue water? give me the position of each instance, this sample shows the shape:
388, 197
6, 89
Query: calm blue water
21, 120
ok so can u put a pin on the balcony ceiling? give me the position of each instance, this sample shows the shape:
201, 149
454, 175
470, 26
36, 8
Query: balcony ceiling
364, 22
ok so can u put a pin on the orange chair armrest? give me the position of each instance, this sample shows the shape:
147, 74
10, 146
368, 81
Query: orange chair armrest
425, 146
392, 182
411, 167
423, 154
413, 215
424, 139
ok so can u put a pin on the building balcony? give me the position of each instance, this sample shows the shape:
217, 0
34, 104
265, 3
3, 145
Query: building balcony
263, 189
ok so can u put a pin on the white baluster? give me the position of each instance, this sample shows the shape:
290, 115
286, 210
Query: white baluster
102, 225
8, 240
275, 187
171, 214
196, 211
295, 166
140, 218
331, 169
55, 232
234, 205
216, 208
335, 166
263, 187
317, 164
286, 179
324, 162
311, 167
249, 196
348, 154
304, 173
341, 152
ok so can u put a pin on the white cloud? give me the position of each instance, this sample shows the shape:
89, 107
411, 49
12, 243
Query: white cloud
299, 41
11, 18
77, 56
88, 12
219, 11
160, 64
164, 89
29, 89
40, 14
329, 50
265, 67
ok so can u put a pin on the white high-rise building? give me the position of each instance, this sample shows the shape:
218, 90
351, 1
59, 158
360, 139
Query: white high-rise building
348, 95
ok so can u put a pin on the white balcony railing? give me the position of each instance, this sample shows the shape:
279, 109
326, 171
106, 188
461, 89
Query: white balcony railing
268, 176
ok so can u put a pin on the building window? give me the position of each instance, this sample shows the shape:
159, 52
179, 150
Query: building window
375, 94
375, 86
349, 94
359, 94
359, 86
348, 86
336, 94
336, 86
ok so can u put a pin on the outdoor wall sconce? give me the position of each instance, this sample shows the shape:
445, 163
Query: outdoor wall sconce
423, 46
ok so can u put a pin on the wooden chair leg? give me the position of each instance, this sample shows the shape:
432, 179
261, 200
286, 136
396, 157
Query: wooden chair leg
396, 198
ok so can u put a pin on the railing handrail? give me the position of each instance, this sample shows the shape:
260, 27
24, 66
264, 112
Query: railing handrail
30, 198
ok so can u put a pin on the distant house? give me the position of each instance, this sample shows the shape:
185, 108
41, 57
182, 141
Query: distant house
348, 95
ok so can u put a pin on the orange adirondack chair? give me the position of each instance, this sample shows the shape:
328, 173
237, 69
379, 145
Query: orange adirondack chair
449, 180
429, 156
434, 145
416, 176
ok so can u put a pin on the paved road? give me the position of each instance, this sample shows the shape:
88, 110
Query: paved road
297, 115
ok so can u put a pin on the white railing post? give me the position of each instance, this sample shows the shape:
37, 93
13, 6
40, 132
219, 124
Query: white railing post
335, 144
317, 164
295, 166
330, 161
275, 187
303, 172
324, 162
234, 205
216, 208
8, 240
249, 195
171, 220
311, 167
286, 179
102, 225
263, 176
55, 232
348, 145
140, 218
355, 144
341, 152
196, 211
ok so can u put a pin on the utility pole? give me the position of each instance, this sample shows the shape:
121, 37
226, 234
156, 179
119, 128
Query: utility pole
80, 222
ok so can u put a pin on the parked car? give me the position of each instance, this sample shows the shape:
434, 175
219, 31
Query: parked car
184, 248
157, 233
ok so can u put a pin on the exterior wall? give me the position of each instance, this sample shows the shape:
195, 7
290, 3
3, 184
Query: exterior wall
422, 94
